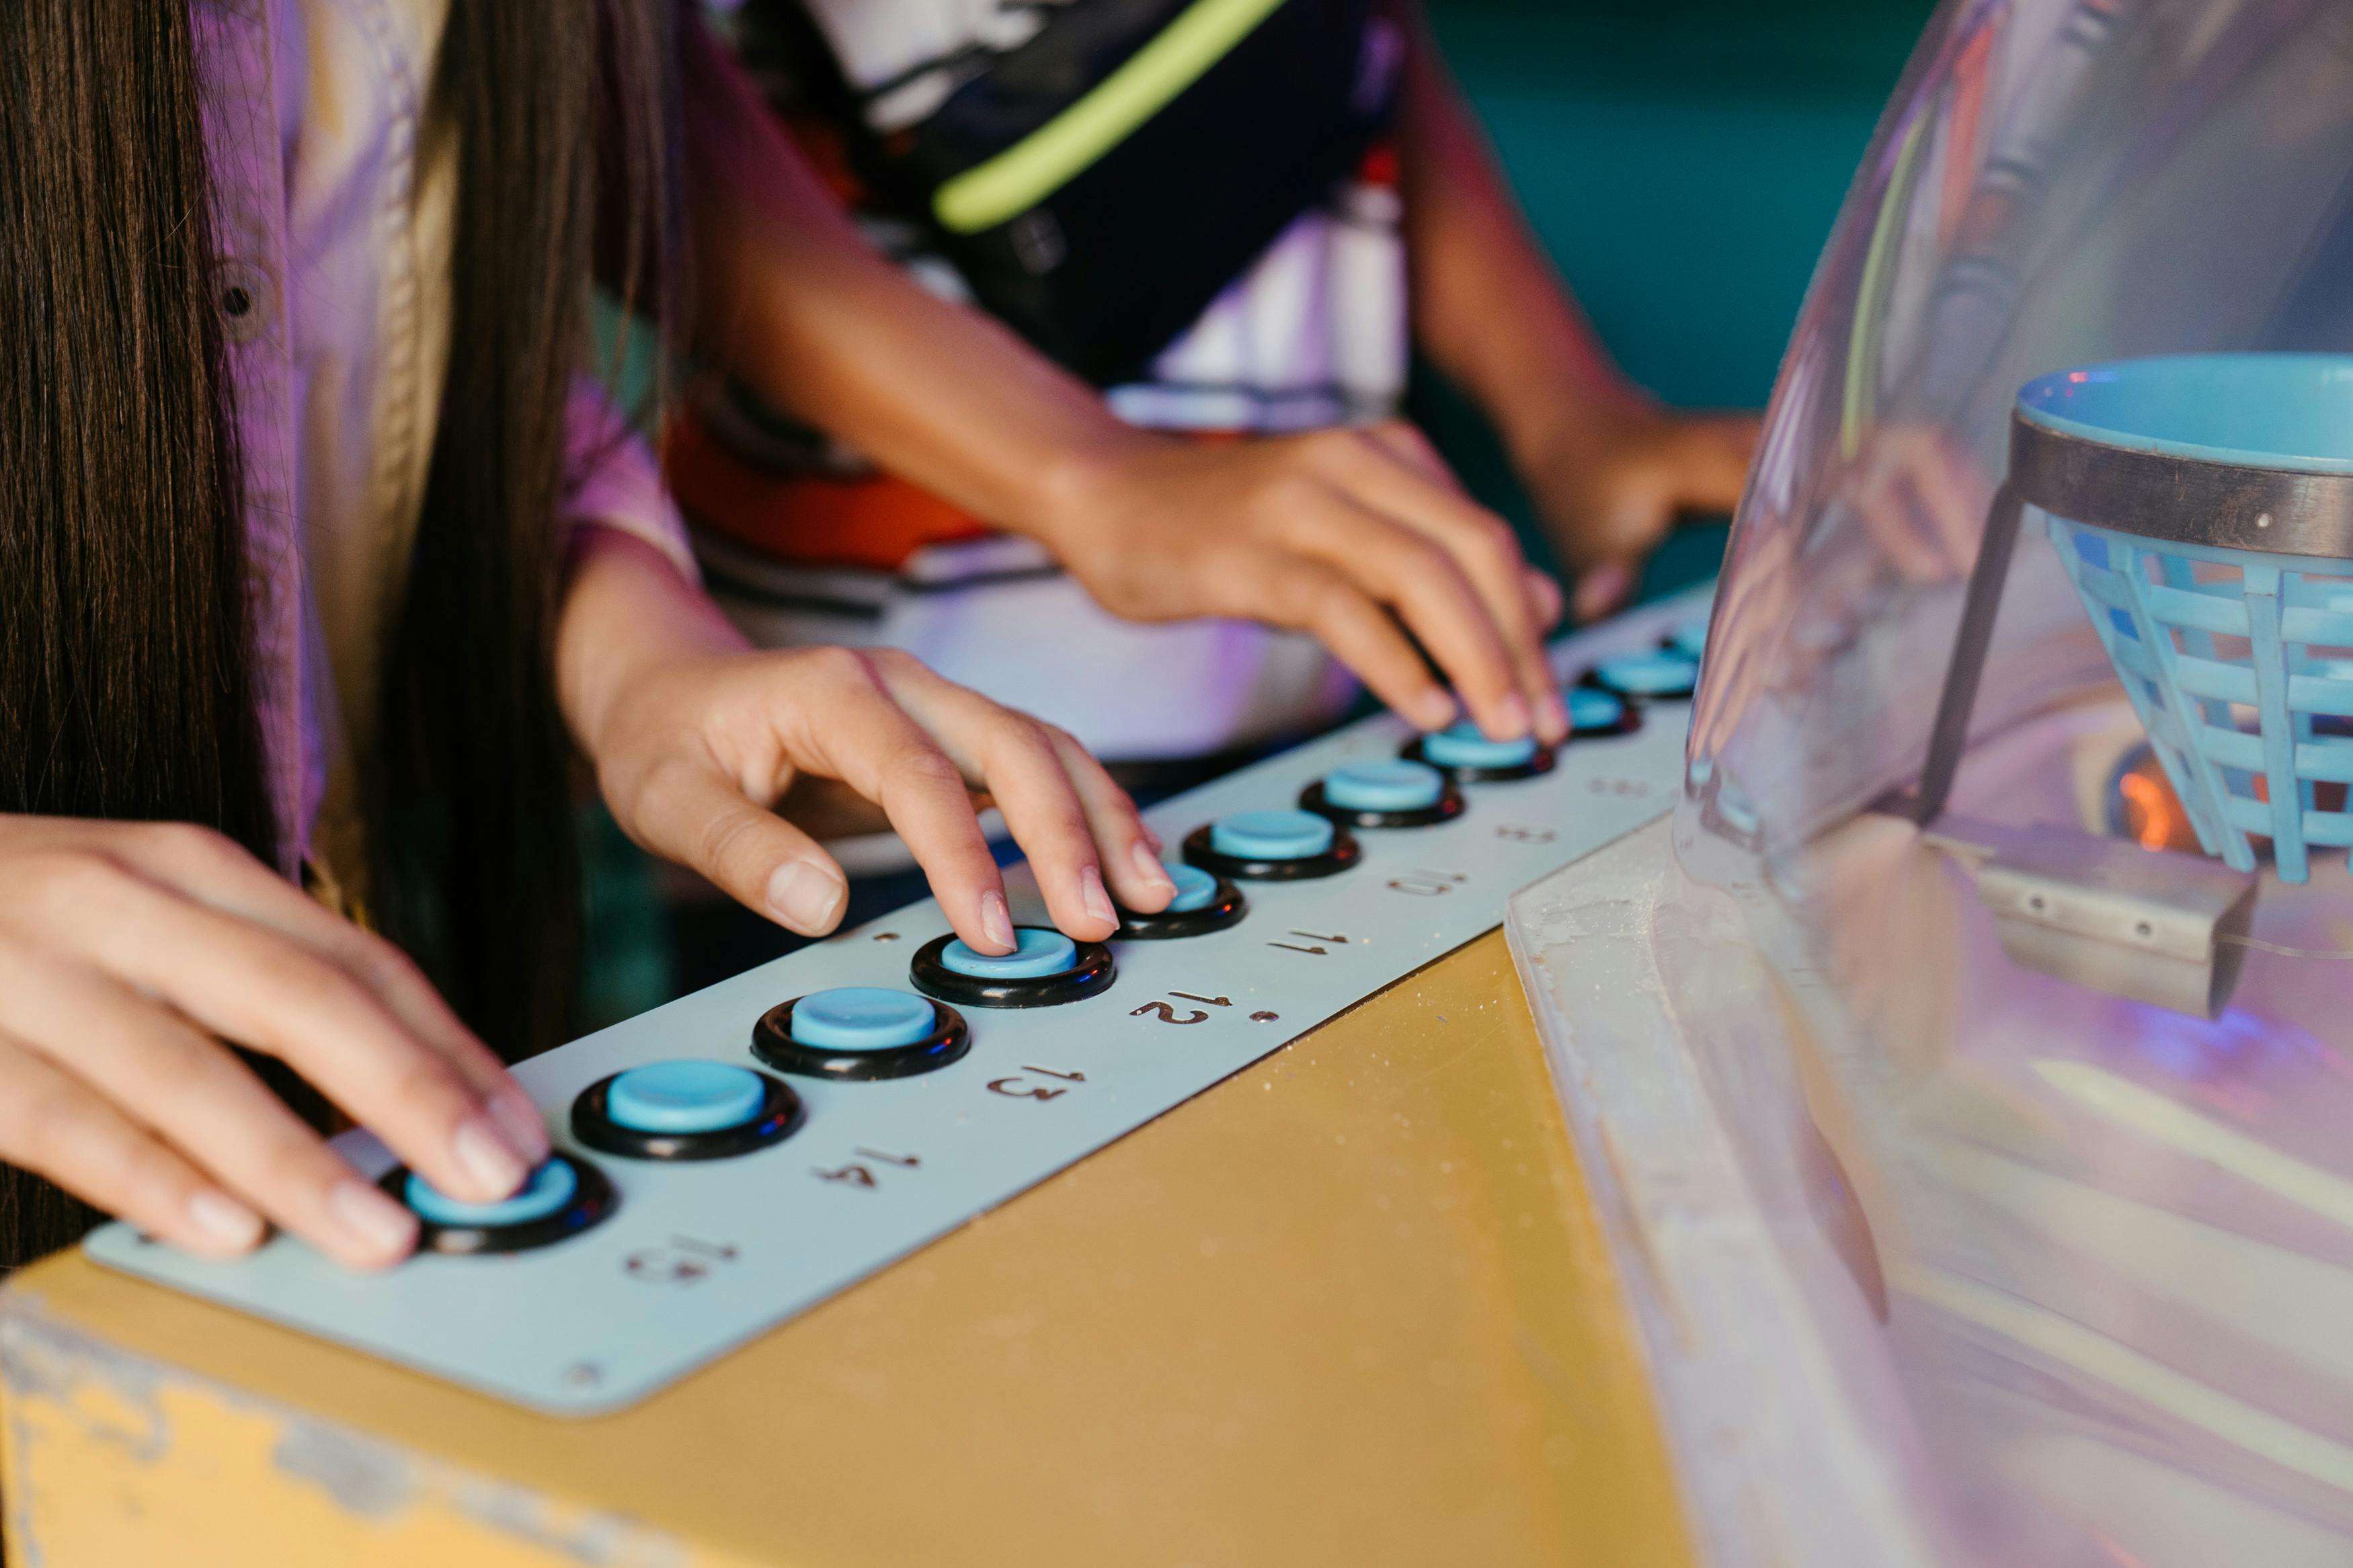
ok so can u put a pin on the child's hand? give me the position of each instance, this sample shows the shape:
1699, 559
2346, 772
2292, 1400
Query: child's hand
129, 952
1356, 536
695, 737
1611, 483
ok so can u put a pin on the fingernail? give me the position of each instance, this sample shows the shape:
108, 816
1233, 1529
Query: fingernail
1092, 894
805, 897
997, 921
1552, 718
225, 1220
483, 1151
519, 1119
1433, 711
1510, 718
1148, 866
382, 1226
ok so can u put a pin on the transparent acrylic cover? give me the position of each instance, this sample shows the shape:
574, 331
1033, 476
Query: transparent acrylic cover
2078, 1231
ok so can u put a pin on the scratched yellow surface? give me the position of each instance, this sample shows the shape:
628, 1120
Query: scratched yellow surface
1350, 1306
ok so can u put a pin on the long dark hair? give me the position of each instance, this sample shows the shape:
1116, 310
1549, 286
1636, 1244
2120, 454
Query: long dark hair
126, 674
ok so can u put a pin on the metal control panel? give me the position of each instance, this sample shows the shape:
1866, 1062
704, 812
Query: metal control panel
696, 1256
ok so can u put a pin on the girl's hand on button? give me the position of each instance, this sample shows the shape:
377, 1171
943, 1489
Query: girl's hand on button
1357, 536
130, 951
696, 739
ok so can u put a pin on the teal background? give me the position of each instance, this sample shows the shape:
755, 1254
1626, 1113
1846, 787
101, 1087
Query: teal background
1681, 160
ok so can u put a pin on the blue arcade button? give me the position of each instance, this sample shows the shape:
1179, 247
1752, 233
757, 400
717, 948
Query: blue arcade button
1649, 674
863, 1018
1463, 746
1196, 888
1041, 953
549, 1189
684, 1097
1272, 836
1204, 902
1689, 640
1396, 786
1591, 709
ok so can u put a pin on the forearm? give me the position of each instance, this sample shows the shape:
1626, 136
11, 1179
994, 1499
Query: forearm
794, 303
1489, 311
626, 609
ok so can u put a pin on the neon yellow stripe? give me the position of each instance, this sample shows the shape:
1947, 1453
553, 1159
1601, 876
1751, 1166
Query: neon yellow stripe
1870, 297
1056, 152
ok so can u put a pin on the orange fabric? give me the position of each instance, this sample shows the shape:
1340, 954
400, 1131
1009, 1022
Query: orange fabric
876, 521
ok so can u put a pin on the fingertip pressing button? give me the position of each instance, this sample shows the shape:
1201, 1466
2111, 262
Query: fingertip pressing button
863, 1018
684, 1097
1038, 953
1463, 746
1396, 786
1196, 888
1204, 902
549, 1189
1272, 836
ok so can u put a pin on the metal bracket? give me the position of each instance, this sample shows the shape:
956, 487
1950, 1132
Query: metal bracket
1950, 735
2107, 914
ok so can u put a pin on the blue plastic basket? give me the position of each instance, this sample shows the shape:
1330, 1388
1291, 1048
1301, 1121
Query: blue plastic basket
2239, 662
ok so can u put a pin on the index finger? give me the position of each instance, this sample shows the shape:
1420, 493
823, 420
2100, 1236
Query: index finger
870, 743
211, 871
249, 984
1402, 486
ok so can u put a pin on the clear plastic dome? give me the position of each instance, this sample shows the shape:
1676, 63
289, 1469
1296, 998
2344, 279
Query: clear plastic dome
2041, 1084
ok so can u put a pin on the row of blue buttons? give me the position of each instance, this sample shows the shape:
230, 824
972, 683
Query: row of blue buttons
690, 1097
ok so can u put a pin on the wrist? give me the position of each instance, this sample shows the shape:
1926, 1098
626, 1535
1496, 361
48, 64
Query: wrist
628, 615
1069, 496
1568, 419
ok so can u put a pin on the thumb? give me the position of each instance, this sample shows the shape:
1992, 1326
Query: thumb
701, 820
1602, 587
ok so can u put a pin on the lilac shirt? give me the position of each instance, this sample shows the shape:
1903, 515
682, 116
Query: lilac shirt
335, 187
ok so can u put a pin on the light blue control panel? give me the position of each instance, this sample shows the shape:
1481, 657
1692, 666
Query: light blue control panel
865, 1120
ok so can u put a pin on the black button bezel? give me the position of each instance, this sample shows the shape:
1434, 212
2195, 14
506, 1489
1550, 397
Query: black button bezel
594, 1201
1449, 807
1226, 908
772, 1043
1345, 852
780, 1116
1091, 975
1543, 761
